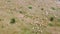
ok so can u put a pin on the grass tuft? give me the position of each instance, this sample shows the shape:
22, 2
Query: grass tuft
50, 24
51, 18
12, 21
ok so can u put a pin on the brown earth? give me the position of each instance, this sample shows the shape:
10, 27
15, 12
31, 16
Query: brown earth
29, 17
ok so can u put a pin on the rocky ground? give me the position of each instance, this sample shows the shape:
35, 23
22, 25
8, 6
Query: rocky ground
29, 17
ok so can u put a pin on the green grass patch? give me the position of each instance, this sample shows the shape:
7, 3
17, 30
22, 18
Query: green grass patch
54, 24
50, 24
25, 30
53, 8
59, 20
57, 24
30, 7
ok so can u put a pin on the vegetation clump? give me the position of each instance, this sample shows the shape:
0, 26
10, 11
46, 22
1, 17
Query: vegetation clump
42, 8
59, 19
51, 18
21, 12
12, 21
52, 8
50, 24
30, 7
